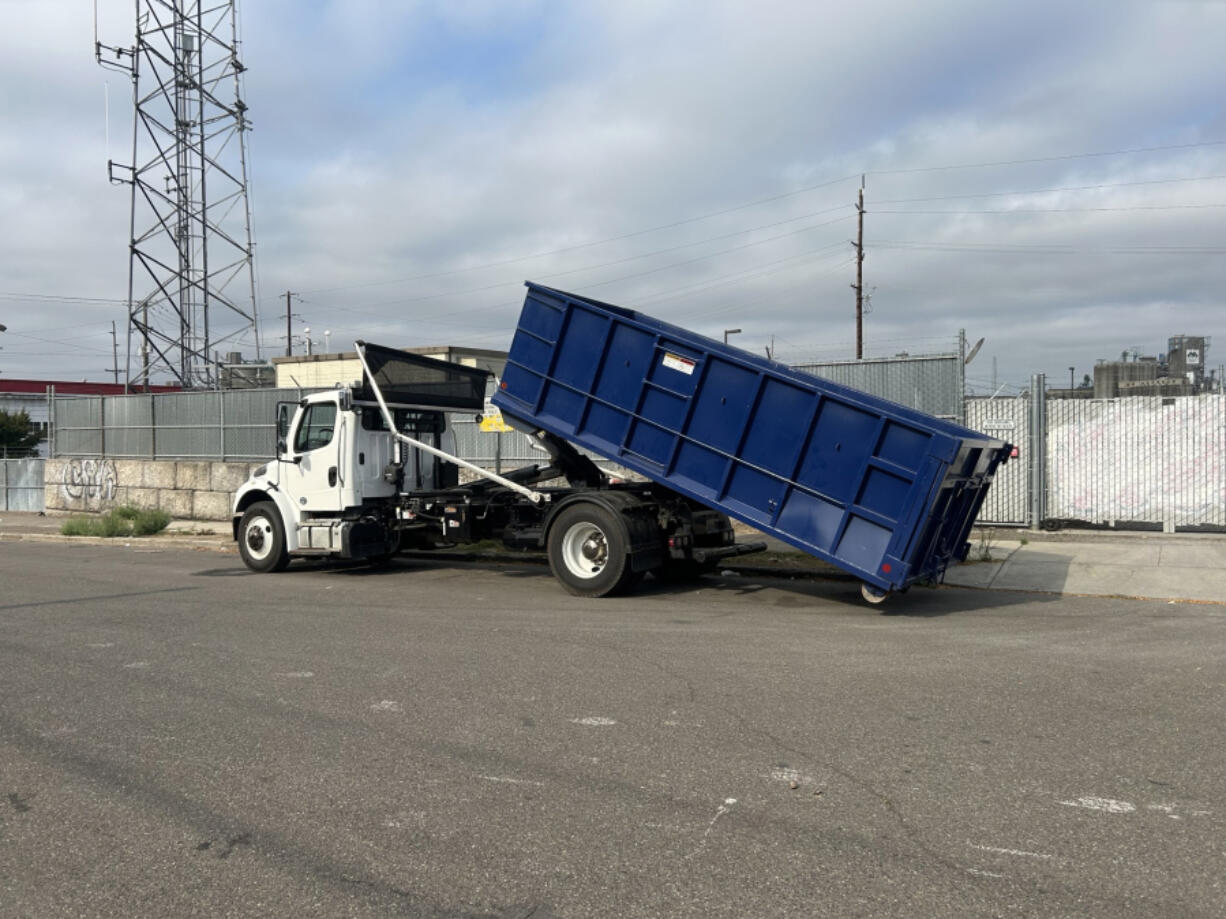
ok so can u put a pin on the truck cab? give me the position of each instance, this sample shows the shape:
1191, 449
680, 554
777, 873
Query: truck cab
333, 488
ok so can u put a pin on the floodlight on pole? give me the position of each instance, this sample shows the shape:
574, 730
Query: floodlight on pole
728, 332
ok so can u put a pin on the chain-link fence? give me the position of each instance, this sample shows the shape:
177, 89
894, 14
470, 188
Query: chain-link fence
932, 383
1008, 500
932, 380
1137, 462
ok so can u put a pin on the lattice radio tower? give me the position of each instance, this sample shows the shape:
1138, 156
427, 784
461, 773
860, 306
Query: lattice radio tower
191, 287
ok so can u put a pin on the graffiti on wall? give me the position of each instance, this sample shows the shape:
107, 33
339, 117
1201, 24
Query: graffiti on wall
86, 479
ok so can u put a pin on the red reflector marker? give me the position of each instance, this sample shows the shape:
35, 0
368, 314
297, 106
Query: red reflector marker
886, 568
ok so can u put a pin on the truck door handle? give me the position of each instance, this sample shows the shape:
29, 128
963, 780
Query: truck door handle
332, 477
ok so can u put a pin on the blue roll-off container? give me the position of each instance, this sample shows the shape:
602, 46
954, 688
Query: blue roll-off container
883, 491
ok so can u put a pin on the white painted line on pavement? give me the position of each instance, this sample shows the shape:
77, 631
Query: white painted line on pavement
1001, 851
1106, 805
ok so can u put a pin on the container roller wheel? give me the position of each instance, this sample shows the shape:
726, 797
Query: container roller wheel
873, 595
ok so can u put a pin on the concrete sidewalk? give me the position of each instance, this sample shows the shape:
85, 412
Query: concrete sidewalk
195, 534
1159, 566
1155, 566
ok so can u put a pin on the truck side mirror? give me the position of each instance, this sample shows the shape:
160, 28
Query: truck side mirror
284, 417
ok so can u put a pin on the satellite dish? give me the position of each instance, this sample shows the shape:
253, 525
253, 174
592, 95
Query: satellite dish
975, 350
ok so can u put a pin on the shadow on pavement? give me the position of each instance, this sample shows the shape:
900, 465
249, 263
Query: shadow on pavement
787, 590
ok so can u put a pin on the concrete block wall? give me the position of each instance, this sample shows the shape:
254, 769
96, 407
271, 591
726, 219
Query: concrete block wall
185, 490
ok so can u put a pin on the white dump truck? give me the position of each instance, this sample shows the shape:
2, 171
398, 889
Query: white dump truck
364, 470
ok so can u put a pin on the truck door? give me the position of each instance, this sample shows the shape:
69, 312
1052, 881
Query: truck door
315, 481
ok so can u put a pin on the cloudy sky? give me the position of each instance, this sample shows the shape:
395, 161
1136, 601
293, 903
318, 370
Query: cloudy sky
1050, 176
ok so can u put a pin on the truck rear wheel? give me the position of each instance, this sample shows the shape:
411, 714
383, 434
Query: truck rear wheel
587, 551
261, 538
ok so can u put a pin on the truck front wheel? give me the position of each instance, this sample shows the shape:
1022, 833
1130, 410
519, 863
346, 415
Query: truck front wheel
261, 538
587, 551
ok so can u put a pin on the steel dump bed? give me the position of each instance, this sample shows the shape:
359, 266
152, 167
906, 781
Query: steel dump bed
884, 492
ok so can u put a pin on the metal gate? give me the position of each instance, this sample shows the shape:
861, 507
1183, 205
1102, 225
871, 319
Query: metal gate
1008, 499
21, 485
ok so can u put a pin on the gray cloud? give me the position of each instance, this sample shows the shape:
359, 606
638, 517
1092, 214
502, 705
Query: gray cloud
407, 158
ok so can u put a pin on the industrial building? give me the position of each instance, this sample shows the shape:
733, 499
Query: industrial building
1181, 371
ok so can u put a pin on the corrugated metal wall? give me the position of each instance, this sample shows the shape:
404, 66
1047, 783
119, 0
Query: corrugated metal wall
21, 484
238, 425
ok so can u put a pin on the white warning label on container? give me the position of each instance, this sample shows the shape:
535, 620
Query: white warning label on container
677, 362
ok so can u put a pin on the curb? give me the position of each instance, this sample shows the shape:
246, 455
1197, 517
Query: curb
165, 542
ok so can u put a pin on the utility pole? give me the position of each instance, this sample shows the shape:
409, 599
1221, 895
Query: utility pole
289, 333
859, 285
114, 353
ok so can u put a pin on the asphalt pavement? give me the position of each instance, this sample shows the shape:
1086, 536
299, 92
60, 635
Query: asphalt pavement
443, 739
1187, 567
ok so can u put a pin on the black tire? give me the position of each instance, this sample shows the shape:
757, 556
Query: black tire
383, 559
261, 538
587, 551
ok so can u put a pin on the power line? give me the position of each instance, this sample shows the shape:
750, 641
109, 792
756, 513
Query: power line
1044, 191
676, 293
782, 196
598, 242
1049, 249
741, 306
703, 258
55, 298
52, 341
558, 274
1069, 210
1048, 159
768, 200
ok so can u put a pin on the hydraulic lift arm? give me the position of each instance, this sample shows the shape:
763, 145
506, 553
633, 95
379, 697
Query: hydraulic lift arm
532, 495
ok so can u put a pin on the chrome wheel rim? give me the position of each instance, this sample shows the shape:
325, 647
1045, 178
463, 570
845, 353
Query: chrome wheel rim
585, 551
258, 538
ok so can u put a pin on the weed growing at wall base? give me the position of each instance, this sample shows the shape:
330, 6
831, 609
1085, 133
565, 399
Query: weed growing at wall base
122, 521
